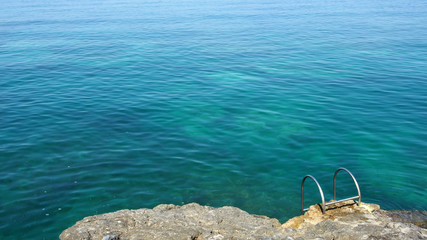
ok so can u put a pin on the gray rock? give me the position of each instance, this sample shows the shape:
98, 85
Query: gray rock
346, 221
111, 237
415, 217
190, 221
196, 222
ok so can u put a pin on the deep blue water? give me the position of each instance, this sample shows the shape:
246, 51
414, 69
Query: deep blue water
106, 105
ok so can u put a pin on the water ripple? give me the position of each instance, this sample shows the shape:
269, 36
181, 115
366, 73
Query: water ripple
107, 105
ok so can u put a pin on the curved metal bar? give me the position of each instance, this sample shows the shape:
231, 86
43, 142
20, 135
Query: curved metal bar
302, 193
355, 182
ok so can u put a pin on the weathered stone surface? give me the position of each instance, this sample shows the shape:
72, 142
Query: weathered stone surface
195, 222
415, 217
190, 221
347, 220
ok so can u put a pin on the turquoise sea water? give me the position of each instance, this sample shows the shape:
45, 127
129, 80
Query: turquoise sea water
106, 105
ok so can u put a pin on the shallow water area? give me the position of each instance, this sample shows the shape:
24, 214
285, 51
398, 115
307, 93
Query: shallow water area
106, 105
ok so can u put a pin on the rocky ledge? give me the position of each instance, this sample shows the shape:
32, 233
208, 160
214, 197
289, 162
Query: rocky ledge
196, 222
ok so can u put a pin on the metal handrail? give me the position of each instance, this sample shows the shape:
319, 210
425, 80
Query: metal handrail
335, 191
355, 182
302, 194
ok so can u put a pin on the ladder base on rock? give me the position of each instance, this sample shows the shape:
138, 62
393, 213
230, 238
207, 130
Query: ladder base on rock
359, 196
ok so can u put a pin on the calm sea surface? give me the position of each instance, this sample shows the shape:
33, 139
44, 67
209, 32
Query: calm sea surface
106, 105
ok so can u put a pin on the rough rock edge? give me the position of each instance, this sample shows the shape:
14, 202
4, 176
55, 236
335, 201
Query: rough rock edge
195, 222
